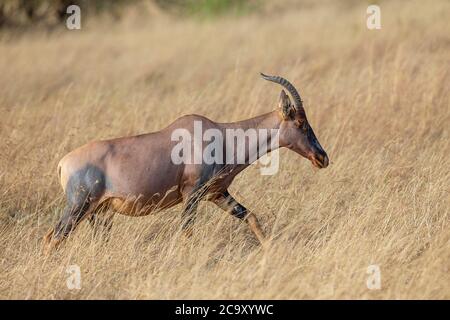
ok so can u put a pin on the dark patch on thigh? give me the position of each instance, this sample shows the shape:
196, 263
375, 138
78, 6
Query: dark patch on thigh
86, 185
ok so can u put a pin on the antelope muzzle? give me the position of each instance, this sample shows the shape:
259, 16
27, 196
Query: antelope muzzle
319, 159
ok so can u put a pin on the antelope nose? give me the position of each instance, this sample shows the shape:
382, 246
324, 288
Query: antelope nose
323, 159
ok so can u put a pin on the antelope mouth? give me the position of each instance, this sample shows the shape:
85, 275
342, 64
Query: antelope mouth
319, 162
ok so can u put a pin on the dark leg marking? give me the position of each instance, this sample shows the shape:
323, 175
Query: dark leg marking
189, 213
83, 190
71, 217
87, 183
197, 193
227, 203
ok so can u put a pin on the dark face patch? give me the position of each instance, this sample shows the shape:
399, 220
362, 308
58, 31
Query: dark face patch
299, 137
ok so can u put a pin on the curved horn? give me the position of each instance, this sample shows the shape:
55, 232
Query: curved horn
289, 87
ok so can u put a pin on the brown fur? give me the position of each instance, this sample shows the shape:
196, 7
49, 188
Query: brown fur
141, 178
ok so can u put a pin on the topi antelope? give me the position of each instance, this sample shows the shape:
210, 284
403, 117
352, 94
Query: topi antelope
136, 176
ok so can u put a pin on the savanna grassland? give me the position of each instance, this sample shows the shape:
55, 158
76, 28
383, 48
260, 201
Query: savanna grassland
378, 101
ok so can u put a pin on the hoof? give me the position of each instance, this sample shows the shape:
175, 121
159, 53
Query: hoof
49, 243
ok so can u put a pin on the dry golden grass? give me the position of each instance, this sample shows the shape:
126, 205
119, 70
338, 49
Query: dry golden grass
378, 101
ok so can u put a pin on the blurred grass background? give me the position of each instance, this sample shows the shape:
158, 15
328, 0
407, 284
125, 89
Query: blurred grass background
50, 13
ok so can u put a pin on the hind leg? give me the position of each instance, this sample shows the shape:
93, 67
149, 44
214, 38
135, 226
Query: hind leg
72, 216
101, 221
83, 191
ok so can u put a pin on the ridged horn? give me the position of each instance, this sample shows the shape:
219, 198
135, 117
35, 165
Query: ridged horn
288, 86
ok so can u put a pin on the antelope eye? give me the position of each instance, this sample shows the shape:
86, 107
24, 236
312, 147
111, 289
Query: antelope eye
300, 123
305, 127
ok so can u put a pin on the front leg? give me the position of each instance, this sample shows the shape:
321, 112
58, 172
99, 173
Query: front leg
188, 216
191, 197
227, 203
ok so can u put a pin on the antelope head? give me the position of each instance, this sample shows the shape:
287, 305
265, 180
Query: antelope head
295, 131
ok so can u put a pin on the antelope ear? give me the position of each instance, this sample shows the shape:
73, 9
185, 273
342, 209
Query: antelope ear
287, 109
